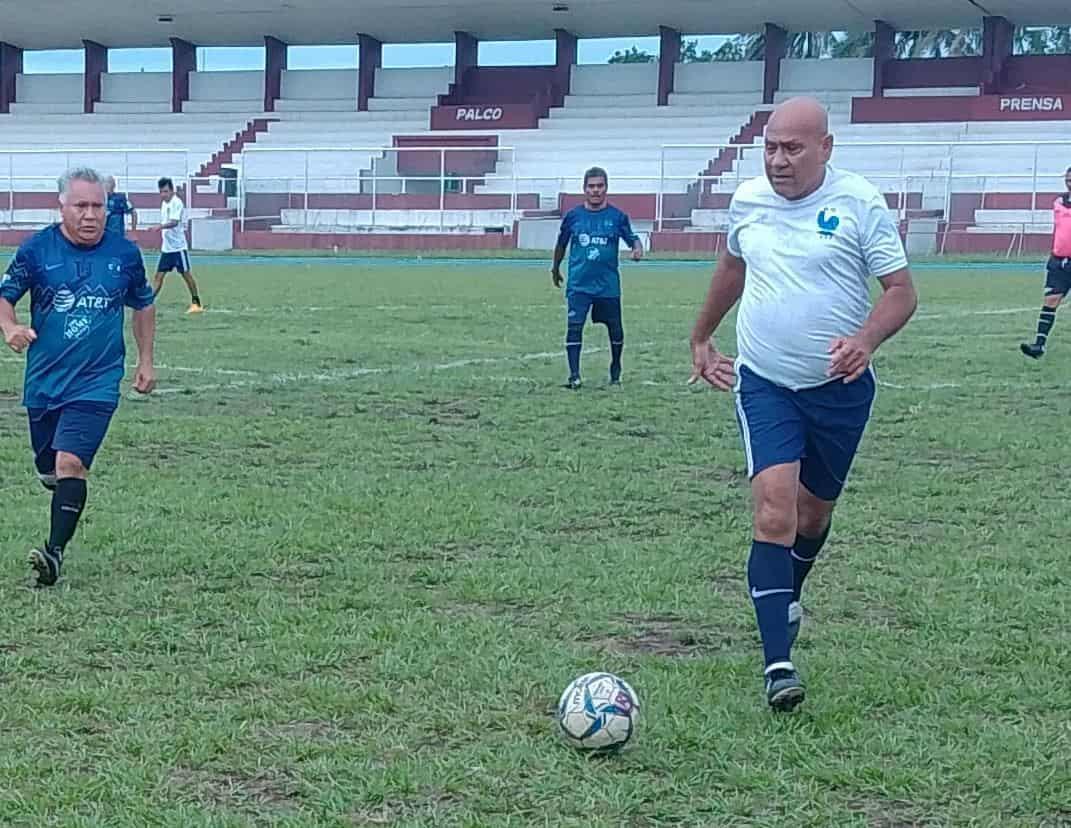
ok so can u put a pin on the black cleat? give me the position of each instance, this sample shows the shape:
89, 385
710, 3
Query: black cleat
1032, 351
784, 690
573, 384
47, 563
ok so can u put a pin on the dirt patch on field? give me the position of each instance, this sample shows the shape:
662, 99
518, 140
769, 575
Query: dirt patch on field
430, 806
265, 791
891, 813
670, 636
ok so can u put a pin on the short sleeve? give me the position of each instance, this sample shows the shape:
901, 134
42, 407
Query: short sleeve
565, 232
19, 277
732, 243
883, 249
139, 294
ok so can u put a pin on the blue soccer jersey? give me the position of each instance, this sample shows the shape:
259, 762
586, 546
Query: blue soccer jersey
118, 209
77, 296
593, 237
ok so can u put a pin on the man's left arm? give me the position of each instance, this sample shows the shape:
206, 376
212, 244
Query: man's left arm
631, 239
139, 296
883, 252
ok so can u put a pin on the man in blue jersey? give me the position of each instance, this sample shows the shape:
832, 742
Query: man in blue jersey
79, 279
593, 233
119, 207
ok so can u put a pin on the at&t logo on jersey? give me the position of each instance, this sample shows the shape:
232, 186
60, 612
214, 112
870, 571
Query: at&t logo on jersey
63, 301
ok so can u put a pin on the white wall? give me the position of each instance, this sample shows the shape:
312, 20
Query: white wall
848, 74
413, 83
49, 88
615, 79
720, 76
319, 84
227, 86
136, 87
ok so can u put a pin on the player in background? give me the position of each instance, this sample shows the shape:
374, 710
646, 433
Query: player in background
174, 252
119, 207
593, 232
1057, 273
804, 242
79, 279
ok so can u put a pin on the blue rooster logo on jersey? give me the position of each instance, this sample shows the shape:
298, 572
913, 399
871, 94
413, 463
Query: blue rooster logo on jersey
827, 223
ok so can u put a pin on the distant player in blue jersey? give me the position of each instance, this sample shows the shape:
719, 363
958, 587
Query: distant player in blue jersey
119, 207
79, 279
593, 232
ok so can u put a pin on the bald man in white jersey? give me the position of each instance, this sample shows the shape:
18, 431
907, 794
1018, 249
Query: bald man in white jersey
804, 243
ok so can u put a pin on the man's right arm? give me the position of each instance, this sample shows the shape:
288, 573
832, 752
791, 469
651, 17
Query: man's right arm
16, 281
726, 287
559, 253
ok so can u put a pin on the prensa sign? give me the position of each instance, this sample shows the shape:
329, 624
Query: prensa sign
1026, 103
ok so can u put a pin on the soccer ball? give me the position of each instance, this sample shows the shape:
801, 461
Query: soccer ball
599, 712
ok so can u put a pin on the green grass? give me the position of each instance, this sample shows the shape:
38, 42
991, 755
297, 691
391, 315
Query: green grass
338, 572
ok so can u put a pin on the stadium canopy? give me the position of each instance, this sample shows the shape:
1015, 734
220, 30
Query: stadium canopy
59, 24
62, 24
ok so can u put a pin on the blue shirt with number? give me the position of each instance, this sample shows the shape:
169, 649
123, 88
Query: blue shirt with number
77, 296
593, 238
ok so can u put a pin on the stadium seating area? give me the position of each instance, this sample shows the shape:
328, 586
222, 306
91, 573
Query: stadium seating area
327, 169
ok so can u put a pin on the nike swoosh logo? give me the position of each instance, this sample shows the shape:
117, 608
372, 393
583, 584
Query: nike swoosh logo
53, 266
762, 593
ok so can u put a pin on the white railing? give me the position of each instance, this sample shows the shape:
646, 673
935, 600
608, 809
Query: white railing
136, 171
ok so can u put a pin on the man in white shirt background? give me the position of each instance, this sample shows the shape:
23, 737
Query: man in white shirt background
174, 252
804, 242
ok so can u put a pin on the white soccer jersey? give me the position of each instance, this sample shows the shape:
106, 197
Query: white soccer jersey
174, 238
809, 265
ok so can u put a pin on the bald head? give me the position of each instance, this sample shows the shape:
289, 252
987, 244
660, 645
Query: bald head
798, 147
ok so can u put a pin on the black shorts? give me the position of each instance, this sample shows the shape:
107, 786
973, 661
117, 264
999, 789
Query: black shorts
179, 261
1058, 277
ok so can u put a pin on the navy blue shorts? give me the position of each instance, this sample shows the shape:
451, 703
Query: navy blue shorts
1058, 277
179, 261
77, 428
820, 427
604, 310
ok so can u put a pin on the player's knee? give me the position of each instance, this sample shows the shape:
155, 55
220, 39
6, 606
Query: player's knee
574, 332
69, 465
813, 523
775, 520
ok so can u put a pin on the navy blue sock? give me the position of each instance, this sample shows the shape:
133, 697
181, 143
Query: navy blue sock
617, 345
574, 341
804, 554
769, 577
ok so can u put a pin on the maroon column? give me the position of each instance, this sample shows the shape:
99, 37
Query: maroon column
884, 51
183, 61
10, 67
564, 58
274, 66
96, 65
998, 35
466, 56
669, 52
776, 44
369, 59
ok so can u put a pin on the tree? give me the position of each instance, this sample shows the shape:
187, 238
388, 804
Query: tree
632, 55
690, 53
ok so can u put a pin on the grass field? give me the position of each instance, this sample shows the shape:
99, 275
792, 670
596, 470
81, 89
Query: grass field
337, 571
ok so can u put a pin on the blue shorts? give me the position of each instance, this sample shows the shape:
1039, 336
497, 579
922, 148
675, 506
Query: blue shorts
604, 310
77, 428
179, 261
820, 427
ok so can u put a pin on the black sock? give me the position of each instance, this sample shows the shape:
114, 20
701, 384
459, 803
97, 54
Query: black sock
769, 575
196, 299
1046, 319
68, 500
615, 360
574, 341
804, 553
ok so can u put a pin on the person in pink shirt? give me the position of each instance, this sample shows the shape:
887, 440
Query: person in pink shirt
1058, 272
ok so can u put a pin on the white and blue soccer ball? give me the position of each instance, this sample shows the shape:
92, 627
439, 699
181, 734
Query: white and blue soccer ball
599, 712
